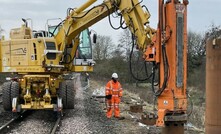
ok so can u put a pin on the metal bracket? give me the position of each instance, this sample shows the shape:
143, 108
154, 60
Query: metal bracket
59, 104
14, 104
182, 117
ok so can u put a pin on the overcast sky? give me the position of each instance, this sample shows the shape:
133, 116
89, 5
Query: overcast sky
201, 14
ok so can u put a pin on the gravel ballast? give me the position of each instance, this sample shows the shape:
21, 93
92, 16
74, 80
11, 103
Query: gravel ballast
89, 117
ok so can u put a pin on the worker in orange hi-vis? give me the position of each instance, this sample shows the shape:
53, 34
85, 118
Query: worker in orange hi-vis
113, 96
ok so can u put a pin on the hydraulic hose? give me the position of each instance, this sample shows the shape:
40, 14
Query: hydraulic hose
166, 74
130, 64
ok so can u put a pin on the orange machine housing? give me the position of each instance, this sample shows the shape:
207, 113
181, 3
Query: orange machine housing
171, 55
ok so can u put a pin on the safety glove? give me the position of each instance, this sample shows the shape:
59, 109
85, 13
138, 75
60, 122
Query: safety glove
108, 97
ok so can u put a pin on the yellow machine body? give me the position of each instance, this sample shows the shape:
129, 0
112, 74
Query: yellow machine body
26, 56
33, 90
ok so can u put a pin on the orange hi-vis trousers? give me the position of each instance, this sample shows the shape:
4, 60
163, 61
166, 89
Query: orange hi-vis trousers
113, 105
115, 90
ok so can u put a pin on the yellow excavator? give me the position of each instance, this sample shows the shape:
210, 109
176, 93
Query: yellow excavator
43, 58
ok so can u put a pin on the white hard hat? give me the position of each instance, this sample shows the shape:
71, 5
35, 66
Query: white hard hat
114, 75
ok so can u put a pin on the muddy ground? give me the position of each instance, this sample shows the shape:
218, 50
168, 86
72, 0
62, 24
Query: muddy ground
132, 120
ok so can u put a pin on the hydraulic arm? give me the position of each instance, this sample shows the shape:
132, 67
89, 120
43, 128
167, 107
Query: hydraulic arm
79, 19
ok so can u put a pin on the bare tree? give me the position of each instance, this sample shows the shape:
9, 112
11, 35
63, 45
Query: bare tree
213, 32
125, 43
103, 48
195, 44
195, 55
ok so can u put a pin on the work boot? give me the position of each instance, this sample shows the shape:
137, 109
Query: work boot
108, 117
119, 118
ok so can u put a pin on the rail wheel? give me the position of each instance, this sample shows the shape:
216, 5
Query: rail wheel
67, 93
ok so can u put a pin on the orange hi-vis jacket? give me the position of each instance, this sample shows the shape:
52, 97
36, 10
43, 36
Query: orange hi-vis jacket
114, 89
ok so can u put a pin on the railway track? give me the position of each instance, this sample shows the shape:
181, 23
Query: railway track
11, 126
56, 125
11, 123
0, 98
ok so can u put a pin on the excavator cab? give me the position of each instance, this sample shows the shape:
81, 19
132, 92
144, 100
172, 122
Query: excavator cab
52, 26
52, 30
83, 56
81, 50
85, 46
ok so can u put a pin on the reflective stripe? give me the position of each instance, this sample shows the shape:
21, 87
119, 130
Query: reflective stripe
115, 91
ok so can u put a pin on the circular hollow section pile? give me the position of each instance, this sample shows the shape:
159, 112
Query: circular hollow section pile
213, 86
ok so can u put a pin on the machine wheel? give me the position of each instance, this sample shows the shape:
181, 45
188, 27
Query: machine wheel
6, 96
15, 90
10, 91
70, 94
67, 93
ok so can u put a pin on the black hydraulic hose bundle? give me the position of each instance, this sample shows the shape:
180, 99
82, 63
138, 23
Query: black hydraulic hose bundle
109, 19
58, 26
166, 74
165, 59
67, 56
69, 11
133, 44
144, 6
130, 64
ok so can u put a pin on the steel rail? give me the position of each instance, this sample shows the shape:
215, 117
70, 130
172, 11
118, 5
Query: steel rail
7, 125
56, 125
1, 99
